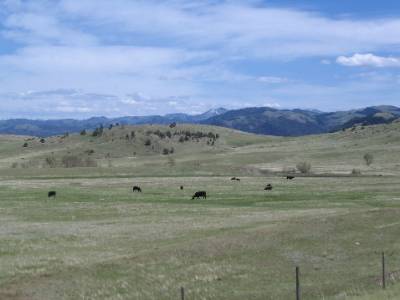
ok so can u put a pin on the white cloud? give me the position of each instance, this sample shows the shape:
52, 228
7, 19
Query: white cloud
272, 79
110, 59
238, 28
194, 53
272, 105
33, 28
368, 60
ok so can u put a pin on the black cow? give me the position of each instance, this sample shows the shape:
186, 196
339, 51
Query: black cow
268, 187
181, 187
290, 177
136, 188
235, 178
199, 194
51, 194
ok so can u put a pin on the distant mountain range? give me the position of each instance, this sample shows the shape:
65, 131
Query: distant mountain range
261, 120
297, 122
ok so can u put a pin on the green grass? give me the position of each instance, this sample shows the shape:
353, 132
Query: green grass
98, 240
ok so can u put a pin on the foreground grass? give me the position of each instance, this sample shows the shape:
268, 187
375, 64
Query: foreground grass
392, 292
98, 240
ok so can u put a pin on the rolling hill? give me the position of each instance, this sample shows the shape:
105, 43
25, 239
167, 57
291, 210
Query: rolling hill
265, 120
201, 150
259, 120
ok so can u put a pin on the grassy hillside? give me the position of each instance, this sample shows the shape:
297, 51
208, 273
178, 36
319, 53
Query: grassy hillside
201, 150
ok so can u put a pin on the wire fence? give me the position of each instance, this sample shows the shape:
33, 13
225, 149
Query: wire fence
380, 280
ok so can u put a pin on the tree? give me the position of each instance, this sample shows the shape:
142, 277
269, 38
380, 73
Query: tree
368, 158
304, 167
98, 131
83, 132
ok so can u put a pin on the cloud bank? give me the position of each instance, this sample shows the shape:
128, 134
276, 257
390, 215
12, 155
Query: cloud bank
368, 60
203, 53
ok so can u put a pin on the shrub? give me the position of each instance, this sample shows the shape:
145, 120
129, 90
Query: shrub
25, 145
356, 172
368, 158
72, 161
83, 132
165, 151
304, 167
51, 161
147, 142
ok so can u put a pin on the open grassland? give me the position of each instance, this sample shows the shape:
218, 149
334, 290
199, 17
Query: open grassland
98, 240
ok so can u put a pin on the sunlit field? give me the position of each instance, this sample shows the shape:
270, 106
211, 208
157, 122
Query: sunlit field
99, 240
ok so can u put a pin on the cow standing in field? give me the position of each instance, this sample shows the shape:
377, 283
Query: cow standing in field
181, 187
136, 189
289, 177
51, 194
200, 194
268, 187
235, 178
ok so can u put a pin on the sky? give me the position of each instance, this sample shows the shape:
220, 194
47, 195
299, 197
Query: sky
78, 59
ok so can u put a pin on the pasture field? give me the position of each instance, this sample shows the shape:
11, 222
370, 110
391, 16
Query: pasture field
98, 240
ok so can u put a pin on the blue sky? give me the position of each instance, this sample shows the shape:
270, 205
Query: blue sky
76, 59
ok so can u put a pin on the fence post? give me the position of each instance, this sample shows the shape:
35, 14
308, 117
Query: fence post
182, 293
297, 283
383, 271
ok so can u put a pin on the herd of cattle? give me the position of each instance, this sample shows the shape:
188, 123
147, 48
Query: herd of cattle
197, 195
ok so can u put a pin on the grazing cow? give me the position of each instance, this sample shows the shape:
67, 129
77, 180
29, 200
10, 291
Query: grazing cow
199, 194
181, 187
289, 177
268, 187
172, 125
51, 194
235, 178
136, 188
